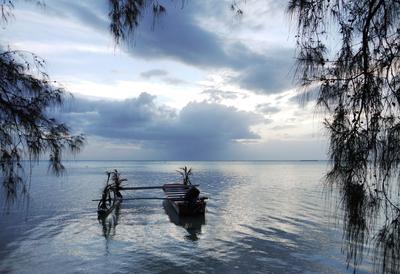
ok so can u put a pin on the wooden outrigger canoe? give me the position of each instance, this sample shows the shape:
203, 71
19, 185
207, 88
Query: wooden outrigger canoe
185, 199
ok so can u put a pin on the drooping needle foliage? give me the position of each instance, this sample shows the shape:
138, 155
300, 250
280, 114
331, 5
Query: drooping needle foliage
27, 130
125, 16
26, 94
351, 51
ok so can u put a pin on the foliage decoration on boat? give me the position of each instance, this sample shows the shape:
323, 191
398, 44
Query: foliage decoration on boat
186, 173
111, 195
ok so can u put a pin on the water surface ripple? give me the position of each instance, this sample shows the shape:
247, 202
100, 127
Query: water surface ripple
262, 217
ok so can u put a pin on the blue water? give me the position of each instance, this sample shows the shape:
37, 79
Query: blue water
262, 217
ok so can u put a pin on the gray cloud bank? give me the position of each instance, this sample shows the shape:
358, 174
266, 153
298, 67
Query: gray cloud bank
139, 128
199, 131
180, 36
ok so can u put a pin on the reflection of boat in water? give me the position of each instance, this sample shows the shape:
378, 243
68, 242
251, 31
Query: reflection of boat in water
109, 207
192, 224
109, 221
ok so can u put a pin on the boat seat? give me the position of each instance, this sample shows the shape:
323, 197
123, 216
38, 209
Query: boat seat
175, 193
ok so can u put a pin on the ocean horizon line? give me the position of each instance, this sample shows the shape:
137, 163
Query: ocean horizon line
156, 160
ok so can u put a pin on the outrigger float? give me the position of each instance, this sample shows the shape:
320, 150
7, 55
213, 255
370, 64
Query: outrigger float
185, 198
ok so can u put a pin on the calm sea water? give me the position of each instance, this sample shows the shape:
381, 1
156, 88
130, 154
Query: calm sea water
262, 217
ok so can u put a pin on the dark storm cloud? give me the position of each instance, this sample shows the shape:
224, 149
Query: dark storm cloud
180, 36
202, 128
130, 119
216, 122
91, 12
271, 73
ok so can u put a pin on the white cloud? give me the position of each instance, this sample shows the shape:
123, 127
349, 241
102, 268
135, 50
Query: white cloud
201, 47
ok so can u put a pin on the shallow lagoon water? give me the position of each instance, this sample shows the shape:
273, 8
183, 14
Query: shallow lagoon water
262, 217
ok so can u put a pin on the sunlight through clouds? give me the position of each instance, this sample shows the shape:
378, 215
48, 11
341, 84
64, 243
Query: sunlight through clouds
201, 56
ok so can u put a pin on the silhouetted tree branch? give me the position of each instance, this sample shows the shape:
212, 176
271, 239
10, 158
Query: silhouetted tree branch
26, 93
27, 131
125, 16
359, 84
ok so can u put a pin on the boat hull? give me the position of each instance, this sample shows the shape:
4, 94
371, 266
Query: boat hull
176, 196
184, 208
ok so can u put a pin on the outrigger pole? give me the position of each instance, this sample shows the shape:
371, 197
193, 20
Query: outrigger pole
144, 187
149, 198
138, 198
141, 187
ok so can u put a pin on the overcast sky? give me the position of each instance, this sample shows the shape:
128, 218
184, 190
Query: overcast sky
199, 84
